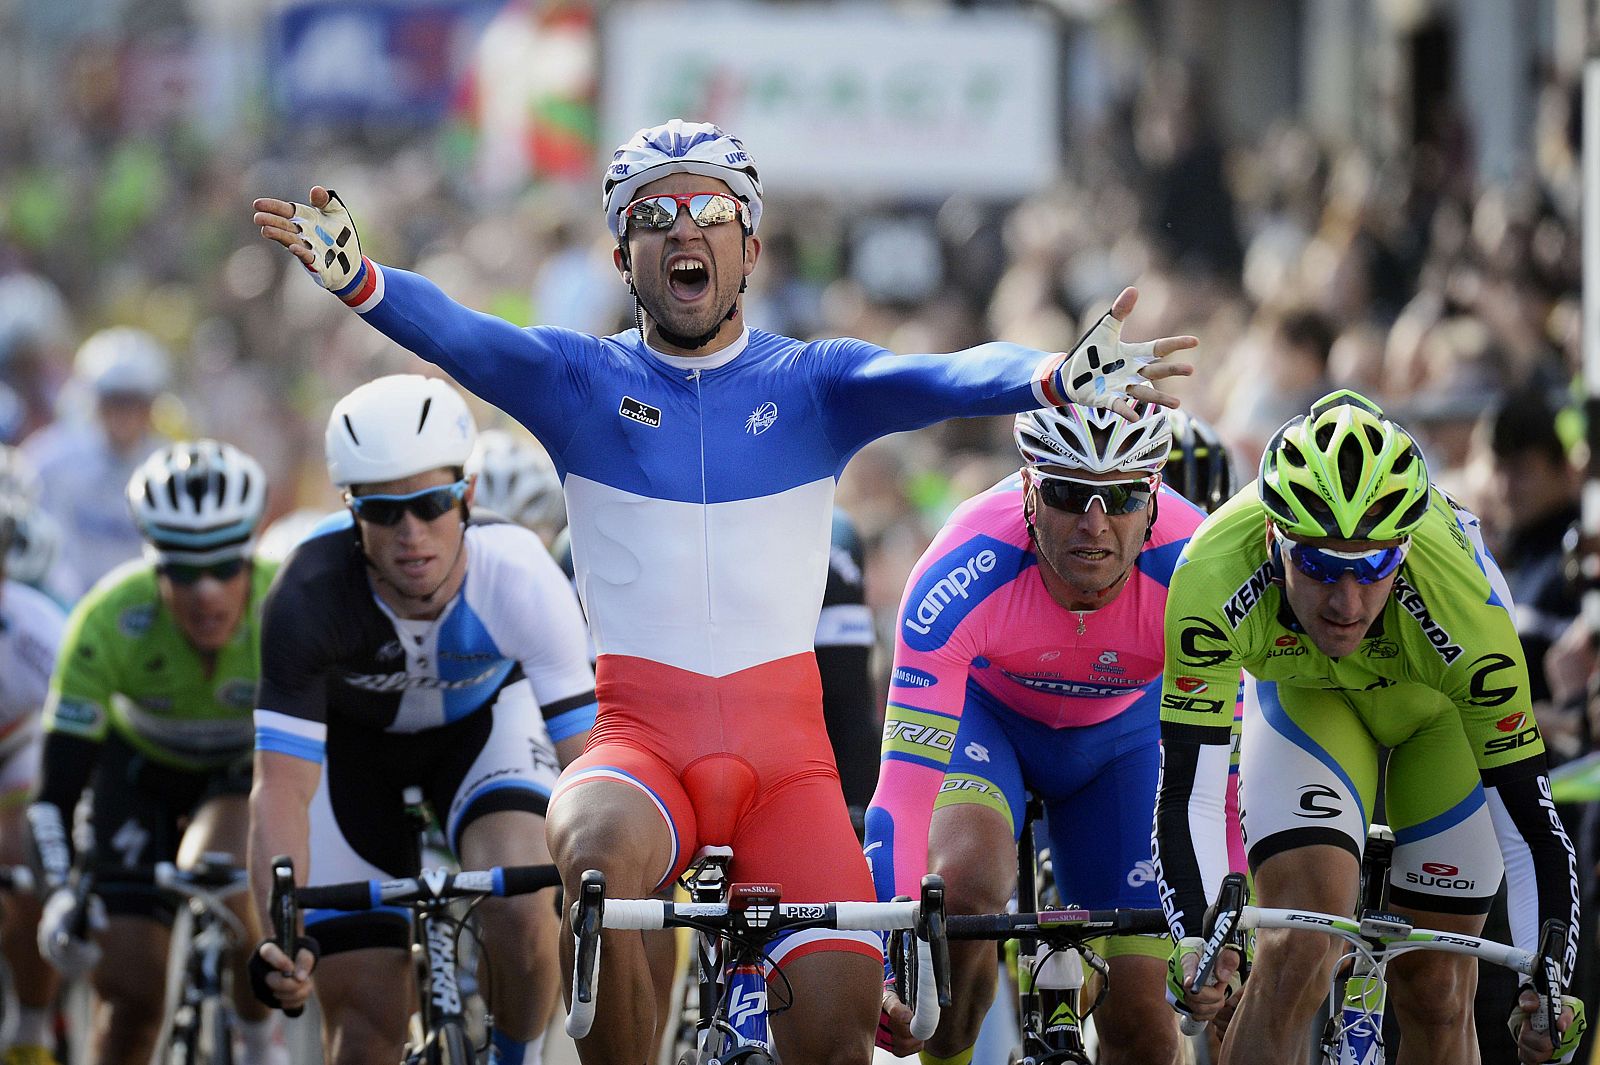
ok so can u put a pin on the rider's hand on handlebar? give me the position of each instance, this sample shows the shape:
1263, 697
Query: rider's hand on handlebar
1535, 1047
894, 1026
1202, 1003
63, 935
287, 985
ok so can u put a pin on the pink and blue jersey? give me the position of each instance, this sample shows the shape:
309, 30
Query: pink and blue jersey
997, 687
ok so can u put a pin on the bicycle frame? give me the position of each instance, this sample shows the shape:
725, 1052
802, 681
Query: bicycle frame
1048, 976
202, 1014
1354, 1032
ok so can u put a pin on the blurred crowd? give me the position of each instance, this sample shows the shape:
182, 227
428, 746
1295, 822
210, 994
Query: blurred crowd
1302, 265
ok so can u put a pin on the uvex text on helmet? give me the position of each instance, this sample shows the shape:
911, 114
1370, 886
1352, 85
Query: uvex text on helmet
679, 147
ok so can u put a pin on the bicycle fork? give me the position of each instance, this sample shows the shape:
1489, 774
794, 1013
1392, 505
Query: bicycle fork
1047, 980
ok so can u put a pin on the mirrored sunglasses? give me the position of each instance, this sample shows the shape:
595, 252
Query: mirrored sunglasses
184, 574
705, 209
1116, 497
1327, 566
427, 504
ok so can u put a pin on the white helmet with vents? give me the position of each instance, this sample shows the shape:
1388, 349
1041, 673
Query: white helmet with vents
516, 479
395, 427
123, 361
198, 502
679, 147
1095, 440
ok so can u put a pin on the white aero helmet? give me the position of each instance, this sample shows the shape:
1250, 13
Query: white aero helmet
198, 502
1095, 440
34, 539
516, 479
123, 361
395, 427
679, 147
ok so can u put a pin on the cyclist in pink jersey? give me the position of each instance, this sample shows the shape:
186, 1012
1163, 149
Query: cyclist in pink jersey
1028, 657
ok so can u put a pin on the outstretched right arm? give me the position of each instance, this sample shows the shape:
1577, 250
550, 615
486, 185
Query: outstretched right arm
529, 373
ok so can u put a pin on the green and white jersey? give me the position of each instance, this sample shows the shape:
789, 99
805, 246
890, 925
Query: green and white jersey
1448, 626
125, 667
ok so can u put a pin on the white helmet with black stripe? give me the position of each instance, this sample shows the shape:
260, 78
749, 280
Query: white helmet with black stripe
1095, 440
198, 501
395, 427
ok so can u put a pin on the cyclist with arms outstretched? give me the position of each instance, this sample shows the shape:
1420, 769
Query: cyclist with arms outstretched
699, 459
1028, 659
150, 705
411, 644
1368, 614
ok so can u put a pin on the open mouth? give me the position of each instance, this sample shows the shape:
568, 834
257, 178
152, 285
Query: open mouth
688, 278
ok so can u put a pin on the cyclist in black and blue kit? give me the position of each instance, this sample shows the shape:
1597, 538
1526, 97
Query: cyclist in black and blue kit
411, 644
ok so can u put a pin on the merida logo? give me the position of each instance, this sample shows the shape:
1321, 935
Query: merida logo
950, 587
1249, 594
1411, 599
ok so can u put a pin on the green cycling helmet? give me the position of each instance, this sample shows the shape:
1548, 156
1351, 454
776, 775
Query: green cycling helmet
1344, 471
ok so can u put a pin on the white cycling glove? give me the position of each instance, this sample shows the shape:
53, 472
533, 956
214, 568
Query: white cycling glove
1101, 367
72, 956
331, 234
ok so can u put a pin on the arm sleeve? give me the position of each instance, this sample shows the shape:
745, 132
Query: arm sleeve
844, 650
933, 652
530, 373
1199, 693
869, 391
1541, 864
292, 694
539, 623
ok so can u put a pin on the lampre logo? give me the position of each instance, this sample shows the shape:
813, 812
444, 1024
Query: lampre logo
1511, 722
948, 588
1191, 685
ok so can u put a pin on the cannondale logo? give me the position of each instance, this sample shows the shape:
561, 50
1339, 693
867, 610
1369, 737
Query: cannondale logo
761, 418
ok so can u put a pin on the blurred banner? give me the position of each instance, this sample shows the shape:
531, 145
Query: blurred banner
335, 62
898, 104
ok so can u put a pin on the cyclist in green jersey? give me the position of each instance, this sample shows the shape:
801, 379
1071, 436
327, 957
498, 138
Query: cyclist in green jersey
151, 700
1368, 615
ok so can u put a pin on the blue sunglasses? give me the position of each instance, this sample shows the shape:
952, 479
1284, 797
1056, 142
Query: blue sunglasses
1326, 565
427, 504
